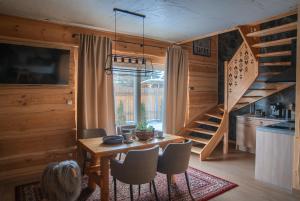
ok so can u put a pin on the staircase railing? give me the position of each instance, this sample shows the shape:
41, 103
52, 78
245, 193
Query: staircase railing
240, 72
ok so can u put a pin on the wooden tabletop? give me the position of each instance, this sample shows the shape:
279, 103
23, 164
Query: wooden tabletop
97, 148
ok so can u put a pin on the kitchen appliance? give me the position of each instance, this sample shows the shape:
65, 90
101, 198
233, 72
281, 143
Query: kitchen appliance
290, 112
277, 110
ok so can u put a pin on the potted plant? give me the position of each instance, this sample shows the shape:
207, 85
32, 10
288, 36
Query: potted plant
144, 131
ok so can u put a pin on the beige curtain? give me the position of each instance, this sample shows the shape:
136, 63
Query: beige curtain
175, 90
95, 87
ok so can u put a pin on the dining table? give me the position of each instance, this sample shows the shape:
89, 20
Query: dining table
101, 154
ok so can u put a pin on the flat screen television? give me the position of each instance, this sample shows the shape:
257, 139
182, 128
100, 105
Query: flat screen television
21, 64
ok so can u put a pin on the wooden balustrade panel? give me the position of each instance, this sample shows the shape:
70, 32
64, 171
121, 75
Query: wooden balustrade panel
242, 71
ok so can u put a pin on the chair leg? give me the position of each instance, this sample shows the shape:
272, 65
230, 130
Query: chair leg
139, 189
131, 192
150, 187
120, 156
169, 186
115, 189
83, 168
188, 184
155, 192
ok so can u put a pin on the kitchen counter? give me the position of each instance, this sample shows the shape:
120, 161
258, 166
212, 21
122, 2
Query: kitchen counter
246, 126
274, 154
252, 116
287, 128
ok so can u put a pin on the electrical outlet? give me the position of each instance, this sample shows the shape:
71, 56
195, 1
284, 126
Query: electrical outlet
69, 102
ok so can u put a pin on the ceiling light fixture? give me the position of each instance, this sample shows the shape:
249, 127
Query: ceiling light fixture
141, 67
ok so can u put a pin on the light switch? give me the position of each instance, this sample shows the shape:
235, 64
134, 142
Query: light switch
69, 102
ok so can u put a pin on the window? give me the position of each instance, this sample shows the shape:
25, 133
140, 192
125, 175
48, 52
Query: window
133, 93
152, 99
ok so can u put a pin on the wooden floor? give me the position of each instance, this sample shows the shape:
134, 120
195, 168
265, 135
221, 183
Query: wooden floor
237, 167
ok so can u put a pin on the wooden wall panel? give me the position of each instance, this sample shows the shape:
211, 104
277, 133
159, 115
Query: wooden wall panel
203, 80
37, 122
45, 31
37, 125
296, 160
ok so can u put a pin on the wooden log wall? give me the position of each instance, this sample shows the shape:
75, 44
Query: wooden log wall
37, 126
203, 80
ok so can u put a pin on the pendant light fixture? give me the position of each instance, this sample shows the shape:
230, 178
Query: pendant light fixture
137, 65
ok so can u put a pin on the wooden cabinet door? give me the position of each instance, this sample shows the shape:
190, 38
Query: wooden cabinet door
245, 135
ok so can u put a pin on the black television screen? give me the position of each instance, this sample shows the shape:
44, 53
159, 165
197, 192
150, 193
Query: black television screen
20, 64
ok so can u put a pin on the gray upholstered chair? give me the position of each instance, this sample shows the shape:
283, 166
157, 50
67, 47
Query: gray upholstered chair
175, 160
139, 167
90, 133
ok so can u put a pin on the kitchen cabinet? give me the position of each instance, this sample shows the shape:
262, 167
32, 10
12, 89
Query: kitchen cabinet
246, 130
274, 154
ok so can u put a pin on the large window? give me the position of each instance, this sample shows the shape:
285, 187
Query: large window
143, 93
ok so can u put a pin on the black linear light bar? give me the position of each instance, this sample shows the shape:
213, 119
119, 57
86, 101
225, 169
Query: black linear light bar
129, 12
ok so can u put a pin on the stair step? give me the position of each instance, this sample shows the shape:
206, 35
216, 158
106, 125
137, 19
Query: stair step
274, 30
275, 54
196, 150
209, 123
265, 74
250, 99
197, 139
262, 89
201, 130
217, 116
287, 63
285, 41
243, 103
251, 96
221, 109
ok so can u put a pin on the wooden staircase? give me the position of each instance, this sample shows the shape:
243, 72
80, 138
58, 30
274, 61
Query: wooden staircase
252, 74
273, 53
206, 131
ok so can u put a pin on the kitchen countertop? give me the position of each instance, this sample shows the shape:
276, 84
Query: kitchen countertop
287, 128
262, 117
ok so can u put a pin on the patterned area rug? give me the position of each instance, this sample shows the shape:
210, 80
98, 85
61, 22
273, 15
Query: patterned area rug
204, 187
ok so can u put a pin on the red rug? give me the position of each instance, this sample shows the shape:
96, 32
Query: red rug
203, 186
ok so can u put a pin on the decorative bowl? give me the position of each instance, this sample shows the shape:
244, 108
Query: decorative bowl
144, 135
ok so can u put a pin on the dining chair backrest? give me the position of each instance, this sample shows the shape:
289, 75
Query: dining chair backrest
93, 133
175, 158
140, 165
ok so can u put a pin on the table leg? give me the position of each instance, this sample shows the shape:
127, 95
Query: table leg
92, 182
104, 178
173, 179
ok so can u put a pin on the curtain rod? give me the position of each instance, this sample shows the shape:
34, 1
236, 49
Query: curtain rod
121, 41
